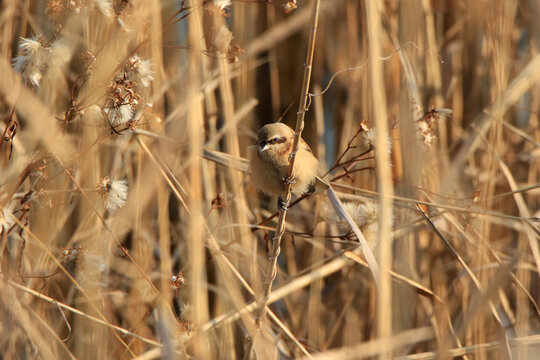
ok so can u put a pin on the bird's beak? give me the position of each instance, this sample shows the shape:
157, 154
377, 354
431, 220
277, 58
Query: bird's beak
263, 147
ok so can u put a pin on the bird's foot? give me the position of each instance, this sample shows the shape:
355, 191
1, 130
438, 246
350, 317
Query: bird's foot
282, 205
289, 179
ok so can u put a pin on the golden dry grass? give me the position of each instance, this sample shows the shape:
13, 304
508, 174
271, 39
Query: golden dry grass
155, 95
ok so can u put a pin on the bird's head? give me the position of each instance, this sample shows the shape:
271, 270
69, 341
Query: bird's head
274, 138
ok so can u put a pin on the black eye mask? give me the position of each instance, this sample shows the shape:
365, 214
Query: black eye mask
263, 144
275, 140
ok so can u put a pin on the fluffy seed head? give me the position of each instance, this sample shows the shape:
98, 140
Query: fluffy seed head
139, 71
104, 6
289, 6
222, 4
427, 125
31, 63
71, 258
177, 281
365, 215
223, 39
119, 115
115, 192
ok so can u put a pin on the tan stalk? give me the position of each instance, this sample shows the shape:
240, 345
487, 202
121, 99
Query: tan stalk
384, 174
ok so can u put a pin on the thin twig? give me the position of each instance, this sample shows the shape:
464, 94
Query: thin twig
280, 228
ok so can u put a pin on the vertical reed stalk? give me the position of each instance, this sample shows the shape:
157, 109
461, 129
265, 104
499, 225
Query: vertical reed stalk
196, 240
384, 174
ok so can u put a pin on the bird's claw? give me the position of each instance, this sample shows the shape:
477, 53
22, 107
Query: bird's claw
289, 180
282, 205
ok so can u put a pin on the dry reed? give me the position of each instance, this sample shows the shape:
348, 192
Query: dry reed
128, 225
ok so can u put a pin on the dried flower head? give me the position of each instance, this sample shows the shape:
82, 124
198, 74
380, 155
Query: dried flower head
185, 316
74, 6
119, 113
223, 39
364, 125
368, 217
32, 61
71, 258
177, 281
234, 52
139, 71
221, 201
6, 222
115, 192
221, 5
87, 268
417, 110
104, 6
122, 101
224, 44
332, 217
289, 6
124, 92
365, 215
427, 125
429, 138
55, 7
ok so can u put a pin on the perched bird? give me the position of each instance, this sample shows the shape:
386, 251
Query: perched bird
269, 162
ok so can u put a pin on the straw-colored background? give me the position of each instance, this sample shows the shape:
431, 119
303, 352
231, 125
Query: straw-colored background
174, 271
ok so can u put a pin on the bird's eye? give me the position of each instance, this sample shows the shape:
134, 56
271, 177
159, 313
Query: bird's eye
274, 140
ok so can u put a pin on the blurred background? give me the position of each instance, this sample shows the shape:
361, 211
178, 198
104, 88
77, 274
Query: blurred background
128, 224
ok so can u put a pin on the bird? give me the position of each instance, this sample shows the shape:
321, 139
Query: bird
269, 163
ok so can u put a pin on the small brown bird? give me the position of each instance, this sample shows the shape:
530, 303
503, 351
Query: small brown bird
269, 162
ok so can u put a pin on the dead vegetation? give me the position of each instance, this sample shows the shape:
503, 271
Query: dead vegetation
129, 228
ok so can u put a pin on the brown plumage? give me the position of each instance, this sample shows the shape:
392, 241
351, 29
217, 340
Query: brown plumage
269, 161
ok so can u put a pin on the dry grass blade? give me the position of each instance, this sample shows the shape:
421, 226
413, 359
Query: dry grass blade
342, 212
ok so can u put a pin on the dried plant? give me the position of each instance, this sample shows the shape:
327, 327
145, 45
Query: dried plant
129, 226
